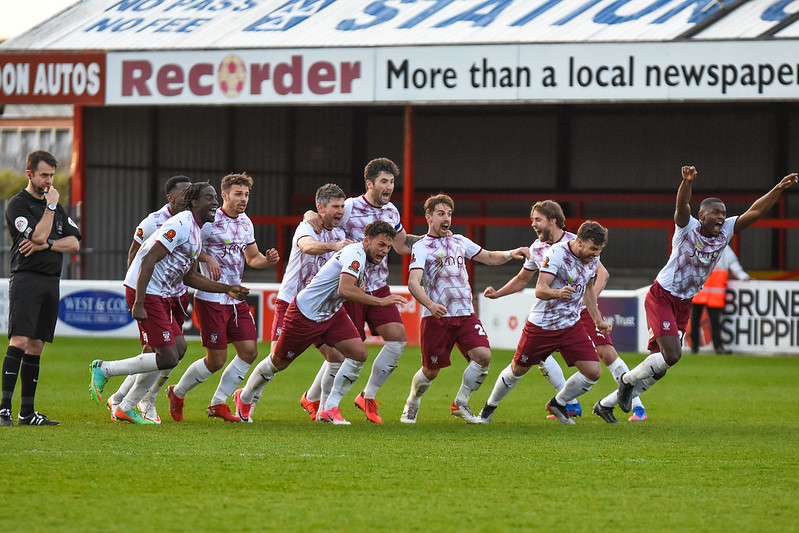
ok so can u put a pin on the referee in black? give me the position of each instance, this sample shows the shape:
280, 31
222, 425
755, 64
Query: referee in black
41, 232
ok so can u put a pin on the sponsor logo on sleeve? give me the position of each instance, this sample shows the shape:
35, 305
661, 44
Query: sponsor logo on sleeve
355, 266
170, 235
140, 233
546, 262
21, 223
72, 222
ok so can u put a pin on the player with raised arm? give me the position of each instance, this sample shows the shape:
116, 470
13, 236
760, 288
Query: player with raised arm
316, 316
440, 282
696, 248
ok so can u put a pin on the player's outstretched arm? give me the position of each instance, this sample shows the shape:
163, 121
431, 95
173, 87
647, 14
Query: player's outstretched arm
256, 259
764, 204
514, 285
682, 211
500, 258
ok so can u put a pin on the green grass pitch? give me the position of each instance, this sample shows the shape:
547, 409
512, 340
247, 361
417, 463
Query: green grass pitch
719, 453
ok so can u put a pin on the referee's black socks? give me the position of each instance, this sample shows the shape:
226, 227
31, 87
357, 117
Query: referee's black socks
11, 364
28, 379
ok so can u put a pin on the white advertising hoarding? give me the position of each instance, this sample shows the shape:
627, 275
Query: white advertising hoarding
509, 73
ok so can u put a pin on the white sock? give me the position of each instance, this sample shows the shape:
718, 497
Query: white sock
419, 386
123, 389
327, 381
576, 385
345, 379
262, 375
138, 364
315, 392
473, 377
551, 370
654, 364
138, 390
152, 394
611, 400
506, 381
617, 368
234, 374
385, 363
194, 375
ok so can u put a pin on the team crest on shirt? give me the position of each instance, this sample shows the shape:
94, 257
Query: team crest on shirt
170, 235
666, 325
167, 335
355, 266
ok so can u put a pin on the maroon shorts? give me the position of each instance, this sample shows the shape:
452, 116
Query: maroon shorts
221, 324
597, 338
537, 344
373, 315
277, 321
179, 304
300, 332
439, 336
160, 328
666, 315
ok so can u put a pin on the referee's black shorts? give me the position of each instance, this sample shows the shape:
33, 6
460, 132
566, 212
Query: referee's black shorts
33, 305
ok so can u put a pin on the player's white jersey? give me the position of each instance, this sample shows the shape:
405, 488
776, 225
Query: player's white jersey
303, 267
147, 227
570, 270
539, 249
358, 213
225, 239
182, 238
693, 257
319, 301
445, 279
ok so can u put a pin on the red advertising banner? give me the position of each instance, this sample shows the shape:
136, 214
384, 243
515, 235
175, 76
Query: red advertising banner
52, 78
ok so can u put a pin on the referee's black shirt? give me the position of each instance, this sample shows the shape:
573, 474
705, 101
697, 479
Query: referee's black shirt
22, 215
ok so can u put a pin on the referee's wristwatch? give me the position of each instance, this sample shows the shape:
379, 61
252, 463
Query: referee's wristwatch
51, 207
49, 244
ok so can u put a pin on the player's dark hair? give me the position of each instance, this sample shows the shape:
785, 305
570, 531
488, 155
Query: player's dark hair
192, 193
550, 209
594, 232
431, 203
381, 164
327, 192
34, 158
708, 201
173, 182
380, 227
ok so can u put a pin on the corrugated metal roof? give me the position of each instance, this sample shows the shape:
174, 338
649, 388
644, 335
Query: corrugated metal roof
752, 20
242, 24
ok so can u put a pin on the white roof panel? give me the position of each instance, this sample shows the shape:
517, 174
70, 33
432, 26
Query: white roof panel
242, 24
751, 20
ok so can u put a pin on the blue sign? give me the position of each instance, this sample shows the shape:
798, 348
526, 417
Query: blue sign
94, 310
623, 314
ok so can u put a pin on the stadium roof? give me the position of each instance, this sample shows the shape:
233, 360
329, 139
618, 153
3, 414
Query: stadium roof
118, 25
